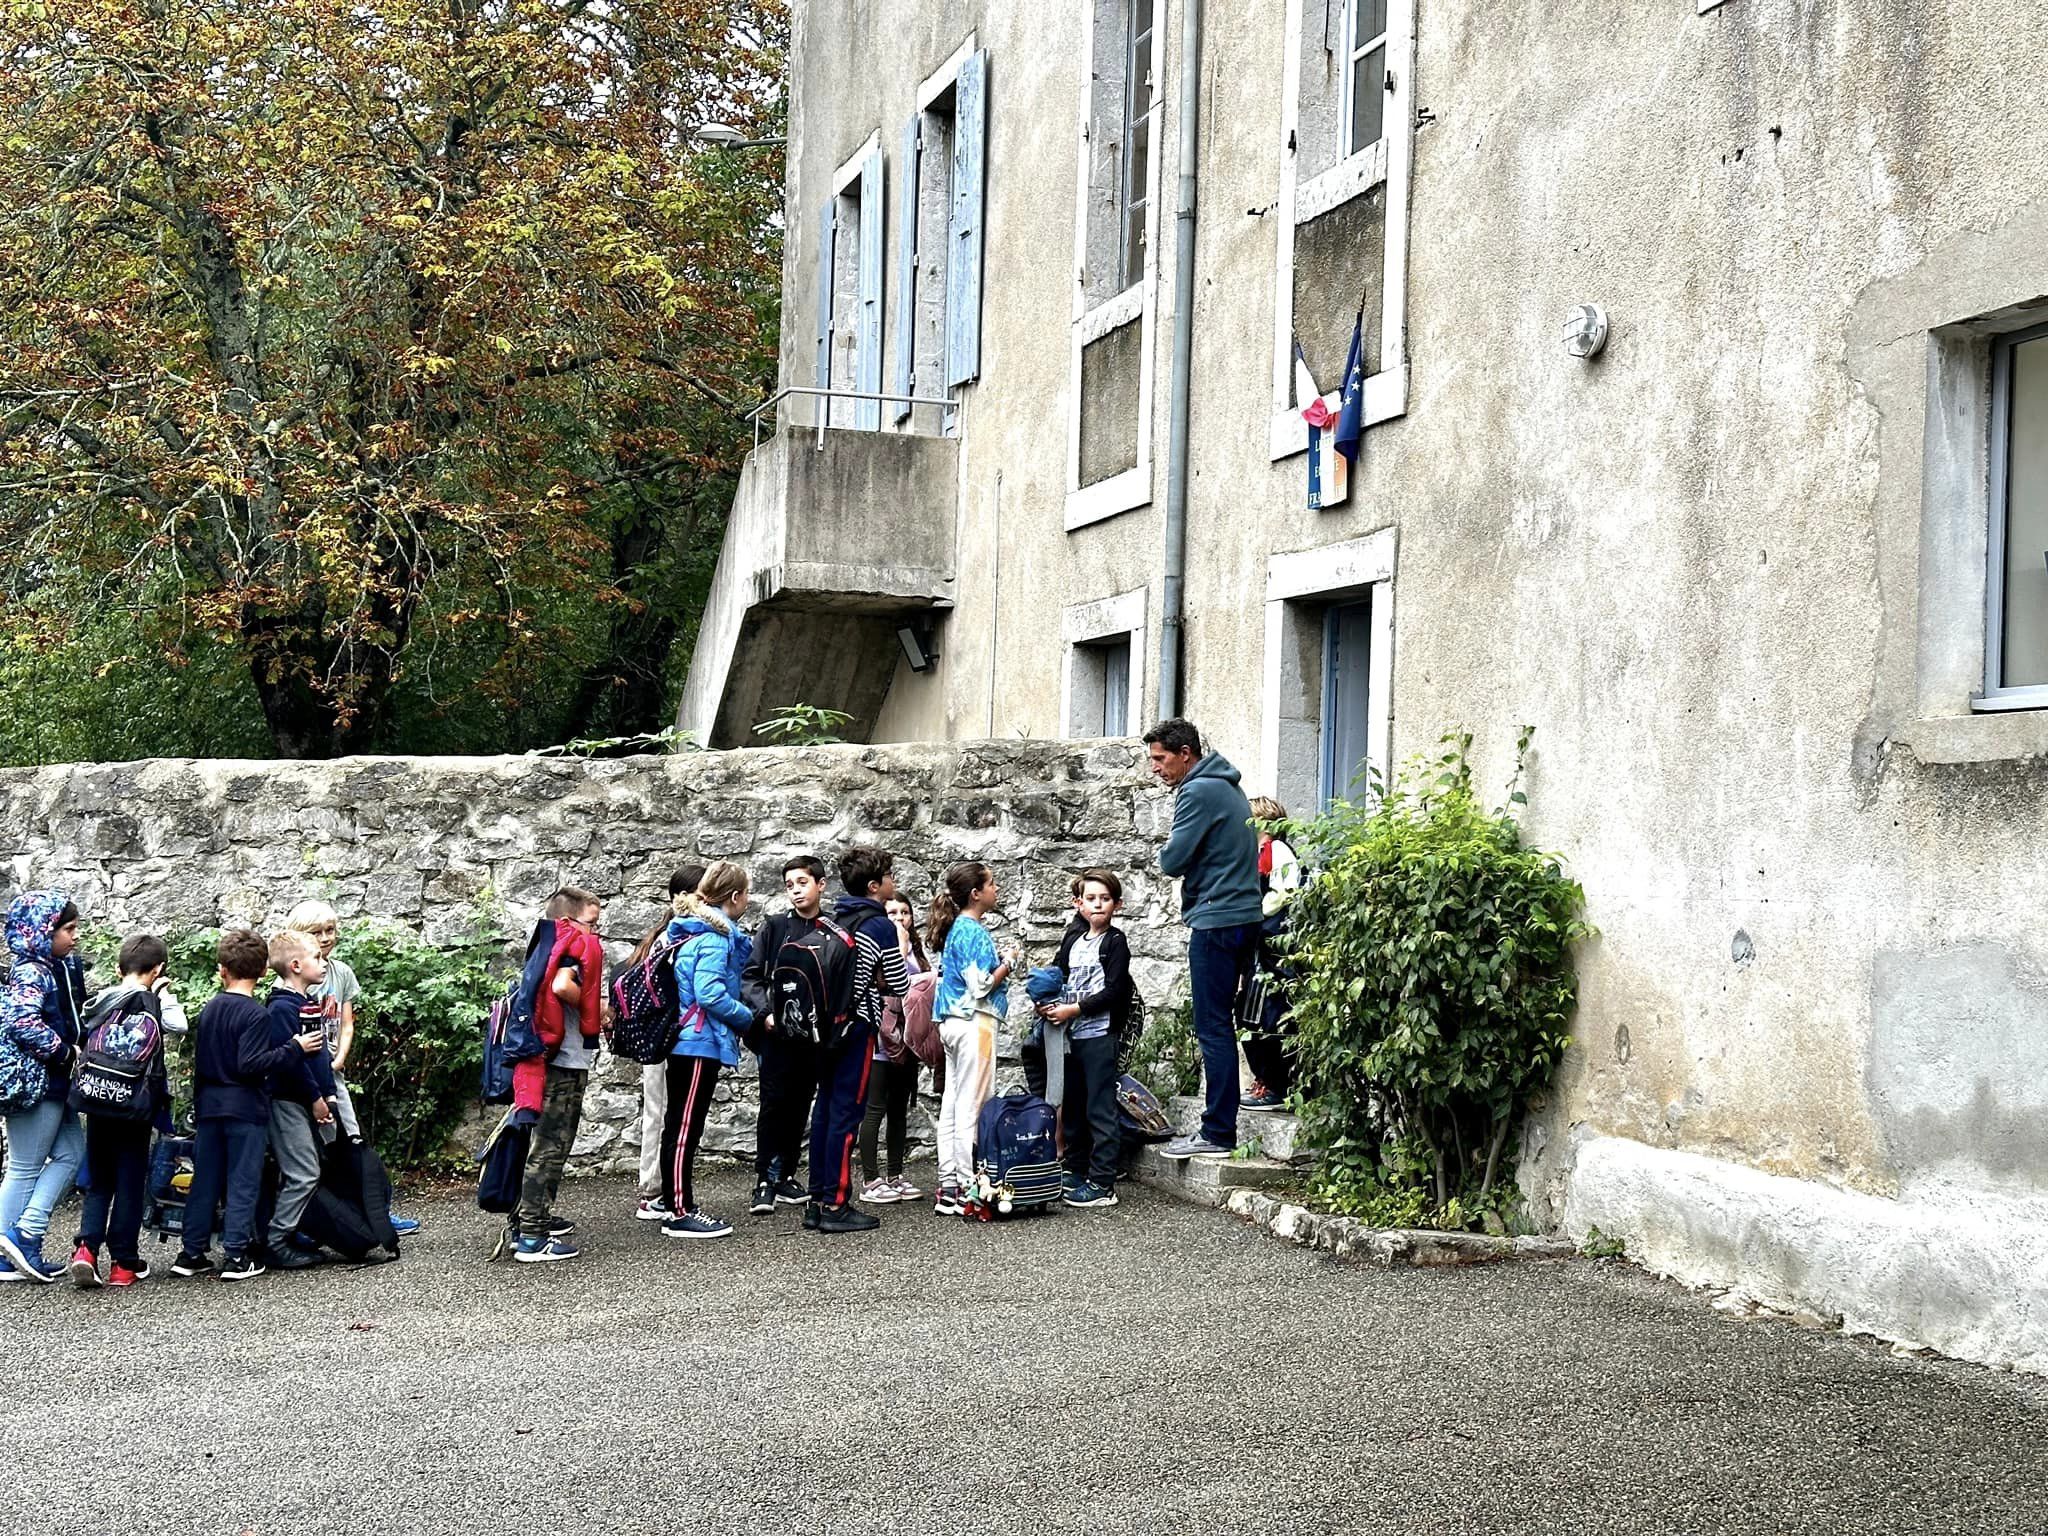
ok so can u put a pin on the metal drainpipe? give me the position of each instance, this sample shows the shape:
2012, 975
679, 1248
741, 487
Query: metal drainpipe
1183, 354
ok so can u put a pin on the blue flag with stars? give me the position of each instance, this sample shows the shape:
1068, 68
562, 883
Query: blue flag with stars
1349, 435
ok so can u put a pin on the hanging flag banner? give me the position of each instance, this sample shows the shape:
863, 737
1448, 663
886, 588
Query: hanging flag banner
1327, 480
1349, 438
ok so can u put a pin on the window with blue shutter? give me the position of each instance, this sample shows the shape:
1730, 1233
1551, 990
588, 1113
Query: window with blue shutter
825, 256
868, 352
963, 270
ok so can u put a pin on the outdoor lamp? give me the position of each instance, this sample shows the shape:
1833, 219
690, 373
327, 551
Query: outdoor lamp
725, 136
1585, 331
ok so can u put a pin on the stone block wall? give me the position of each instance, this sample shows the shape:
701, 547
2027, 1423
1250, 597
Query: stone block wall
436, 845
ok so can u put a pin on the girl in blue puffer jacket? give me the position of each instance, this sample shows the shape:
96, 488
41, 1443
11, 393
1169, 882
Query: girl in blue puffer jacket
39, 1013
713, 1019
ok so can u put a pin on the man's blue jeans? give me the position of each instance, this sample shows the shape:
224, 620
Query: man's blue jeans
1219, 961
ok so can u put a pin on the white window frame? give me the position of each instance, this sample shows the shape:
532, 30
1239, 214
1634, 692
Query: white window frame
934, 85
1136, 304
1389, 161
1357, 568
853, 415
1135, 71
1353, 52
1999, 509
1105, 619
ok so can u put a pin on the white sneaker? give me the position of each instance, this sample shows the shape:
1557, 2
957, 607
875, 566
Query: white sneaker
905, 1190
653, 1208
879, 1192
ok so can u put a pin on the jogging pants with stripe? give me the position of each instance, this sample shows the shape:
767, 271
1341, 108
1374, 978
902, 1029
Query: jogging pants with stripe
843, 1074
691, 1080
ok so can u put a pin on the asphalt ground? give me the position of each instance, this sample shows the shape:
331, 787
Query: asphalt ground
1156, 1367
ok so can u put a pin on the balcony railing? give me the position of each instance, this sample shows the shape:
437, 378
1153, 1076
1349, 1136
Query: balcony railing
769, 406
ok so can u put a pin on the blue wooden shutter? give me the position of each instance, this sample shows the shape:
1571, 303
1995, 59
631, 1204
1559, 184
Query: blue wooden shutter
873, 223
822, 406
905, 380
963, 265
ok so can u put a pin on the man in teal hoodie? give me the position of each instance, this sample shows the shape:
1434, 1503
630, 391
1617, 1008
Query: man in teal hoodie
1215, 852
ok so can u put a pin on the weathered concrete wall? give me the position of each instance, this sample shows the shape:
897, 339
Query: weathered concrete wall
436, 844
1725, 570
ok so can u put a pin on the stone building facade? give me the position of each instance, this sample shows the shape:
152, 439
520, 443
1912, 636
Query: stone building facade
438, 845
1765, 573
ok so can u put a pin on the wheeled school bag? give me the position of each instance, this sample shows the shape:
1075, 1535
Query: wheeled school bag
170, 1183
116, 1061
812, 985
646, 1007
1016, 1157
350, 1211
509, 1033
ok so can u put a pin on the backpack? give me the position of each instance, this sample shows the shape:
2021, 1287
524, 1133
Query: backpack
1016, 1156
509, 1033
1128, 1024
116, 1061
647, 1007
503, 1167
1140, 1111
350, 1210
812, 984
920, 1030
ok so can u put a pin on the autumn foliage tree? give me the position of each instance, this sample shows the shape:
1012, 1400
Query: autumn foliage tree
351, 337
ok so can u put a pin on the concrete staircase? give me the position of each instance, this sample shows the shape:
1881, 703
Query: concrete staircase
1268, 1157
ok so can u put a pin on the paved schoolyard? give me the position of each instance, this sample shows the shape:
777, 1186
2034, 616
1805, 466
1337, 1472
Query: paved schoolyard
1153, 1368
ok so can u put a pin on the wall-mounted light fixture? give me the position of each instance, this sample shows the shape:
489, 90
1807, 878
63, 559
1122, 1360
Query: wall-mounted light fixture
919, 647
724, 136
1585, 331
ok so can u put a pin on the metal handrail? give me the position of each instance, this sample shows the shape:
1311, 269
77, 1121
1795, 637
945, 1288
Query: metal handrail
830, 395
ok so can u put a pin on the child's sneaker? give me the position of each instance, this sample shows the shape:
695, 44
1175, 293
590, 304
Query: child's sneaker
905, 1190
84, 1268
544, 1250
950, 1202
844, 1218
139, 1269
789, 1192
26, 1254
559, 1226
1089, 1194
120, 1276
187, 1265
404, 1226
239, 1266
764, 1200
695, 1224
880, 1192
8, 1273
654, 1208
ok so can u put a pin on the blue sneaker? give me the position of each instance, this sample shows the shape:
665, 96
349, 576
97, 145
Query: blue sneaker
1068, 1182
544, 1250
695, 1224
9, 1273
1088, 1194
405, 1226
26, 1254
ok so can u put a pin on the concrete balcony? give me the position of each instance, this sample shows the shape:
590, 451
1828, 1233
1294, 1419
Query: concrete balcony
831, 545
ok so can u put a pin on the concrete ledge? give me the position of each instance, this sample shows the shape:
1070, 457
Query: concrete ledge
1959, 1269
1206, 1181
1390, 1248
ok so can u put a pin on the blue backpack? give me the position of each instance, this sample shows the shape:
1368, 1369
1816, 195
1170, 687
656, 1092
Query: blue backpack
1016, 1156
509, 1035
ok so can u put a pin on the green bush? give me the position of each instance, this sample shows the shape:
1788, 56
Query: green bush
1167, 1058
418, 1049
1432, 996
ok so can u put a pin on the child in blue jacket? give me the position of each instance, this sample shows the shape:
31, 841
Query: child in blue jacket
39, 1032
713, 1019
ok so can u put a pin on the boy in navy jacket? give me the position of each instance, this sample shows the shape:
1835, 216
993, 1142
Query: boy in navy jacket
302, 1092
234, 1058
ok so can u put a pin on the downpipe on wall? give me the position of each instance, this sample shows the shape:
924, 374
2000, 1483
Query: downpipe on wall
1183, 354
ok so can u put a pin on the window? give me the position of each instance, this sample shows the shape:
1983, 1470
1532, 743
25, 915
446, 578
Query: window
1328, 673
2016, 639
1104, 683
939, 250
1133, 181
1347, 700
850, 291
1365, 74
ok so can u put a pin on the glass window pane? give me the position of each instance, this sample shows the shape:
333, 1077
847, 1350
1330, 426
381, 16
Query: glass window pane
1372, 21
1141, 17
2025, 656
1368, 98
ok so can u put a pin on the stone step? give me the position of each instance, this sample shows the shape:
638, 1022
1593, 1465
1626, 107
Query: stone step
1208, 1181
1272, 1136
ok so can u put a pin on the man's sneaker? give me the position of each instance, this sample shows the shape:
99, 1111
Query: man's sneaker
121, 1276
404, 1226
1262, 1103
26, 1254
695, 1224
845, 1218
187, 1265
544, 1250
764, 1200
881, 1192
239, 1266
654, 1208
290, 1256
84, 1268
905, 1190
1181, 1148
1087, 1193
556, 1226
789, 1192
950, 1202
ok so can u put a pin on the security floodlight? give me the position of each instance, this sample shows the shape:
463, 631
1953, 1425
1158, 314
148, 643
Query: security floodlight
918, 650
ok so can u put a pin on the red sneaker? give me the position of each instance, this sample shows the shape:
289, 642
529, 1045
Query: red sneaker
84, 1268
122, 1275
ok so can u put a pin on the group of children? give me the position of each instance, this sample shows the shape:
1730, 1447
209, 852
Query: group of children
838, 1107
267, 1081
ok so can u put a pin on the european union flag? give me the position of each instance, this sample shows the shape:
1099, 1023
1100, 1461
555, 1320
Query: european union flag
1349, 435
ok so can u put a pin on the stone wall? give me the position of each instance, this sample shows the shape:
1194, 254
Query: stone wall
435, 844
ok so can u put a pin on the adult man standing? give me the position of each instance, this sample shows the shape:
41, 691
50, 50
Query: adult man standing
1215, 852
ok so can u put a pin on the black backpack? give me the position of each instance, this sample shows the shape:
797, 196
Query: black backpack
812, 986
